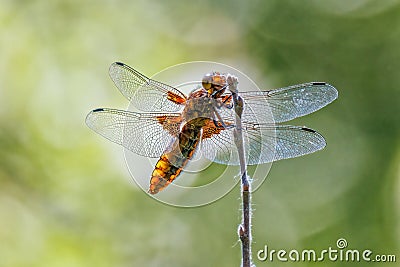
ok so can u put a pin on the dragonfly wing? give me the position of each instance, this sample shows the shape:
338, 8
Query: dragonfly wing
218, 145
263, 143
144, 93
145, 134
289, 102
291, 141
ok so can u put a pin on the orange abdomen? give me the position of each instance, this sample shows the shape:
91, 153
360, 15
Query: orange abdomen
164, 173
175, 158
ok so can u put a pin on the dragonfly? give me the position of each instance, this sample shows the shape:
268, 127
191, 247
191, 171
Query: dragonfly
172, 126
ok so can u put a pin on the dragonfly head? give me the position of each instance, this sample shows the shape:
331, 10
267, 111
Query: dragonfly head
214, 83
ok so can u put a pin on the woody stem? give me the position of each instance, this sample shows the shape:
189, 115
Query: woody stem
244, 229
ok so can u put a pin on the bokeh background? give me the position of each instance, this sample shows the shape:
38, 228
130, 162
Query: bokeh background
66, 197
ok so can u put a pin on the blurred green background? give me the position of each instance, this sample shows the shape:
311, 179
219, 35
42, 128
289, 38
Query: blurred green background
66, 197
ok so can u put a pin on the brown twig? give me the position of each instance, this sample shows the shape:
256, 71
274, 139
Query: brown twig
244, 229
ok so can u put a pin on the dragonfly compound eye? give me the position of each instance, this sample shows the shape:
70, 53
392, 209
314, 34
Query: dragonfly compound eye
207, 80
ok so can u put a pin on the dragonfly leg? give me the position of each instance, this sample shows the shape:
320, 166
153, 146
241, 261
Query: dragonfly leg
218, 91
219, 122
230, 105
224, 102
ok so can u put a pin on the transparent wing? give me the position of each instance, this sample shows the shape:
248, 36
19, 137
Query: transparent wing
218, 143
290, 102
294, 141
263, 143
142, 133
144, 93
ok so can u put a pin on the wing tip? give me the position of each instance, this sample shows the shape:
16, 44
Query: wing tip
330, 89
115, 66
88, 119
91, 117
321, 144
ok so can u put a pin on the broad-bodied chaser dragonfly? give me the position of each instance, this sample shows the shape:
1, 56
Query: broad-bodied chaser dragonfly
173, 126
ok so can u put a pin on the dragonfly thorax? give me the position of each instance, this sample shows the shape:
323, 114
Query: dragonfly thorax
199, 105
